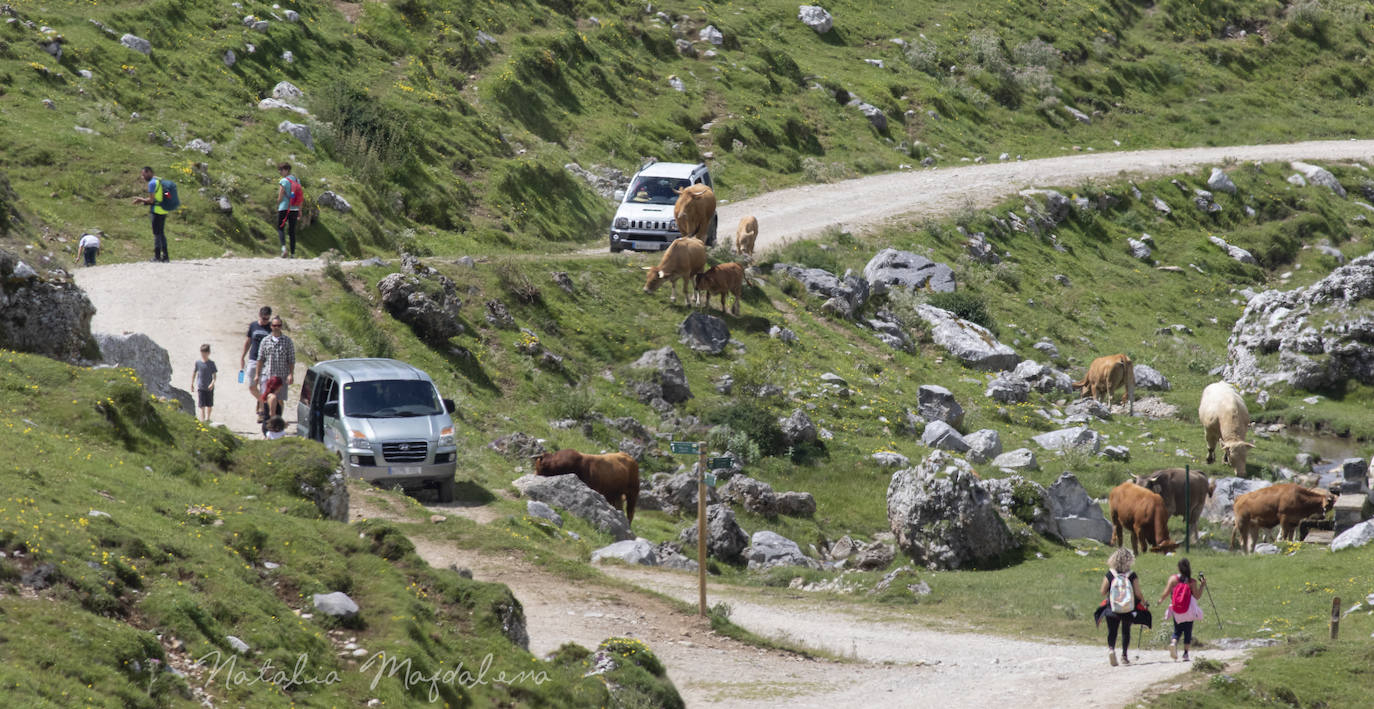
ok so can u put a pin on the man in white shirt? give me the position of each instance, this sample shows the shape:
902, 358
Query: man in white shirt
88, 247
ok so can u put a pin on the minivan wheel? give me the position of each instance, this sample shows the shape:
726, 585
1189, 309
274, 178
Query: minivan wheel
445, 492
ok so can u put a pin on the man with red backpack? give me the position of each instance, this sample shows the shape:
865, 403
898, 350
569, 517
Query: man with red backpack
290, 197
1182, 593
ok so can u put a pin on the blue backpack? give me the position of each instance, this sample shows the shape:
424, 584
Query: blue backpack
170, 201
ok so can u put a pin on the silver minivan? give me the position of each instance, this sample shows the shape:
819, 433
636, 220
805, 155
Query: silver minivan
385, 419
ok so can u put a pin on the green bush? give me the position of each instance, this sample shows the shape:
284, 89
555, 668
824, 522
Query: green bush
757, 423
966, 305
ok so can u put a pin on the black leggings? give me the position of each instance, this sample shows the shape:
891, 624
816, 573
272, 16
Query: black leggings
287, 218
1112, 621
1184, 629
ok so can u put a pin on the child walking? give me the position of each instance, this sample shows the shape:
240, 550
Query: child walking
1182, 593
203, 382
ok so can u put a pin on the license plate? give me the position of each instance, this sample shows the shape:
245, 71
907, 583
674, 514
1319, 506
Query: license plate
647, 245
403, 470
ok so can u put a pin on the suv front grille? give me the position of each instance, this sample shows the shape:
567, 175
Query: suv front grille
654, 224
405, 451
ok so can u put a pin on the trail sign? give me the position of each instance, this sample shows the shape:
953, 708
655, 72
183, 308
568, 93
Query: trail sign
709, 479
684, 447
722, 463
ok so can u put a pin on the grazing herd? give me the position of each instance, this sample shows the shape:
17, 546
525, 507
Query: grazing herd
685, 258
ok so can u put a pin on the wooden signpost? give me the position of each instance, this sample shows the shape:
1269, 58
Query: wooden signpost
705, 476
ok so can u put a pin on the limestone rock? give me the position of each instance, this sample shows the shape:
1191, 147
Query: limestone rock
539, 510
1080, 437
796, 504
1319, 176
299, 132
1019, 459
666, 373
47, 316
936, 403
983, 445
943, 517
138, 44
798, 428
768, 549
709, 33
433, 316
1147, 377
815, 17
568, 493
941, 435
1357, 536
704, 333
753, 495
287, 91
336, 604
1076, 515
724, 538
631, 551
147, 358
971, 343
1220, 507
1219, 181
1008, 389
1234, 252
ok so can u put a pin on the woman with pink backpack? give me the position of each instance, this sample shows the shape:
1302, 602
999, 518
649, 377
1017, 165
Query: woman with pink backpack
1182, 593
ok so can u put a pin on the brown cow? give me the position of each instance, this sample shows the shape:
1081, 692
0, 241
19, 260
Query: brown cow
1284, 504
722, 278
1142, 513
744, 236
693, 211
683, 260
614, 475
1225, 419
1168, 484
1104, 375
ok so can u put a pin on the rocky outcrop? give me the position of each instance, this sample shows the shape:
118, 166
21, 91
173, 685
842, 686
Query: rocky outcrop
138, 352
568, 493
1323, 334
971, 343
724, 538
844, 296
942, 515
704, 333
1075, 514
49, 316
431, 312
891, 269
666, 374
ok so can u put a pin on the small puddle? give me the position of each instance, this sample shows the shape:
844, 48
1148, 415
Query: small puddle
1330, 451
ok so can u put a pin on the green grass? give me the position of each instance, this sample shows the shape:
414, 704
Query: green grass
159, 530
448, 144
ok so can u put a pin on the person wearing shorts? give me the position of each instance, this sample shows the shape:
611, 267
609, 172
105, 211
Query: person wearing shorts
257, 330
203, 382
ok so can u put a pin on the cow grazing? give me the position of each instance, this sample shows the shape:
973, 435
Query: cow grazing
1224, 418
1284, 504
744, 236
1143, 514
1104, 375
683, 260
614, 475
1169, 484
693, 211
724, 278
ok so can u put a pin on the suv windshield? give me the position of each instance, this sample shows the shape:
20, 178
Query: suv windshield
391, 398
655, 190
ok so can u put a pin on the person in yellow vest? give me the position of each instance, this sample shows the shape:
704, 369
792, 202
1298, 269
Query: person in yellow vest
159, 215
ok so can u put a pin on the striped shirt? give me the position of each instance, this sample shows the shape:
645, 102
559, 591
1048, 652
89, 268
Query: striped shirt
276, 356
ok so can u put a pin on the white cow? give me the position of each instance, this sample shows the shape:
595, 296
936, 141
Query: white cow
1224, 418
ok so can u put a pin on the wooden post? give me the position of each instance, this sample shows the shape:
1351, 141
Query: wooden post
1187, 508
701, 528
1335, 616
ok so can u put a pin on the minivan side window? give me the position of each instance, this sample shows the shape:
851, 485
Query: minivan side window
308, 386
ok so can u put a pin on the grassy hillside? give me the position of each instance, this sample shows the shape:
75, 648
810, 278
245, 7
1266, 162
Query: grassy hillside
446, 123
136, 541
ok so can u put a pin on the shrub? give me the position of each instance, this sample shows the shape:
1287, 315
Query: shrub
515, 283
757, 423
966, 305
1037, 53
924, 55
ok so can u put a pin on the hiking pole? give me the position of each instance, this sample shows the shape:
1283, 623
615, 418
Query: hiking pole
1215, 612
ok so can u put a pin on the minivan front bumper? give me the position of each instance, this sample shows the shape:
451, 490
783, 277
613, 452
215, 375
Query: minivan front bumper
363, 464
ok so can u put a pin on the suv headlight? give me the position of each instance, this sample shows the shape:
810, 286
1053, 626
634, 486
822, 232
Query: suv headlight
622, 223
446, 436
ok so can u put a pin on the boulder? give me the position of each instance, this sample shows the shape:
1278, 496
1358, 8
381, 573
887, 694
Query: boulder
287, 91
229, 57
875, 116
1008, 389
1075, 514
845, 296
798, 428
199, 145
815, 17
709, 33
753, 495
1220, 507
568, 493
1057, 207
631, 551
983, 445
936, 403
941, 435
971, 343
432, 313
138, 44
670, 556
499, 316
147, 358
1025, 500
886, 328
893, 269
1019, 459
333, 201
665, 374
724, 538
1218, 181
1139, 249
1080, 437
1162, 207
678, 493
237, 644
1317, 176
1147, 377
223, 204
539, 510
1357, 536
796, 504
768, 549
889, 459
1320, 333
942, 515
336, 604
268, 104
299, 132
1121, 453
1042, 377
1234, 252
704, 333
46, 316
1085, 410
873, 556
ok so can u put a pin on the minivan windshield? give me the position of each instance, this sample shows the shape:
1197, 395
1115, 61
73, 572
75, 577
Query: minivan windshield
655, 190
391, 398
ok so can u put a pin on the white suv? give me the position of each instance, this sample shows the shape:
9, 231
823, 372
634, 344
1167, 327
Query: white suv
644, 221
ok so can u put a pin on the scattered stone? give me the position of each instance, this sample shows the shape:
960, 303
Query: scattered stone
971, 343
890, 269
287, 91
936, 403
666, 374
223, 204
1234, 252
875, 116
1265, 548
709, 33
782, 333
336, 604
890, 459
798, 428
724, 538
299, 132
983, 445
676, 83
434, 318
768, 549
1084, 410
704, 333
1025, 500
1117, 453
1080, 437
568, 493
753, 495
631, 551
941, 435
1357, 536
1074, 512
1146, 377
148, 360
1021, 459
1007, 388
1220, 506
138, 44
796, 504
1162, 207
1139, 249
537, 509
202, 146
1220, 182
1319, 176
1297, 180
238, 645
816, 18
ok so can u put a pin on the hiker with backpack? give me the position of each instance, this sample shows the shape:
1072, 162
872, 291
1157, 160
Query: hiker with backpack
290, 197
1183, 591
1122, 604
161, 200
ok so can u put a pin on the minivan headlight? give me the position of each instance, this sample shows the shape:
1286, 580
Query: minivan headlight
446, 436
622, 223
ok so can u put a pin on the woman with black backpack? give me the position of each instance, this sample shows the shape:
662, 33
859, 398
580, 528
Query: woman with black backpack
1182, 592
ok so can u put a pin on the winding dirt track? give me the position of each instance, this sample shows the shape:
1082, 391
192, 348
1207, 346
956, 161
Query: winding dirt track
898, 661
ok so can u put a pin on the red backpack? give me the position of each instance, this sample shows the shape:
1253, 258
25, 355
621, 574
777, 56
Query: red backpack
297, 192
1182, 597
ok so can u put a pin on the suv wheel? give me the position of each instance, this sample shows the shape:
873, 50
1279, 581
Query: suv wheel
445, 491
711, 232
616, 249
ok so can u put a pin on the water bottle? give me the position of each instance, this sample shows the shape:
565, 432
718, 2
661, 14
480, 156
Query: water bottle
240, 376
